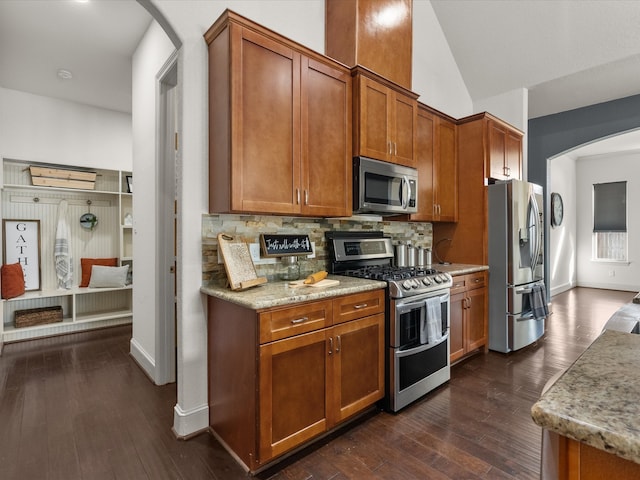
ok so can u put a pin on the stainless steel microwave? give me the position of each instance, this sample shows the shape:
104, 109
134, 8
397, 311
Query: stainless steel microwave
384, 188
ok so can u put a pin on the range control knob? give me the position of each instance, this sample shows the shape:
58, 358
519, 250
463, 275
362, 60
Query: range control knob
407, 284
426, 281
438, 279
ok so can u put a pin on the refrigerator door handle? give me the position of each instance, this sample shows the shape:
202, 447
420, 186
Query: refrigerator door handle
535, 234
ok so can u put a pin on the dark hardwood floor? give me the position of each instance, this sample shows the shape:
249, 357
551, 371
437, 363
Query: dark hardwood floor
78, 407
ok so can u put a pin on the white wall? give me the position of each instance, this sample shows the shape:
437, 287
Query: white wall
302, 22
602, 169
435, 74
42, 129
152, 53
562, 239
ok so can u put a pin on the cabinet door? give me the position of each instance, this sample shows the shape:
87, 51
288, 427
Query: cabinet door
476, 319
293, 392
456, 329
326, 140
496, 151
403, 138
265, 126
513, 155
425, 158
446, 174
372, 120
358, 365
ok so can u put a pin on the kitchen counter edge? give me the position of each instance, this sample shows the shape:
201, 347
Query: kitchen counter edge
459, 268
595, 401
279, 293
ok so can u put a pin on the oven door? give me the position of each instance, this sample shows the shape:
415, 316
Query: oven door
409, 320
417, 371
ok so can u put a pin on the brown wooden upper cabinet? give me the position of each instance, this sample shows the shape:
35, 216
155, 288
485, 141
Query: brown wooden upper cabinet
505, 150
279, 124
437, 167
384, 119
377, 34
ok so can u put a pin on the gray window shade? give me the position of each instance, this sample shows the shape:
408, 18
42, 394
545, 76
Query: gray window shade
610, 207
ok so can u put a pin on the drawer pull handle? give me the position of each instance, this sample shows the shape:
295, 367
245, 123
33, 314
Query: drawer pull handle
330, 345
299, 320
362, 305
477, 280
339, 344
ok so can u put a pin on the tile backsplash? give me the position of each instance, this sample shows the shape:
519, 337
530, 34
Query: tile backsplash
247, 228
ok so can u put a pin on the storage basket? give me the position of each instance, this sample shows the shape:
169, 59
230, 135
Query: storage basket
62, 178
38, 316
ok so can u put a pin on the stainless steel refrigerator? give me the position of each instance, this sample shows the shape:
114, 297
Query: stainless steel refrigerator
517, 294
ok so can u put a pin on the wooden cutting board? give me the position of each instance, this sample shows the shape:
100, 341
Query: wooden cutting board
327, 282
241, 272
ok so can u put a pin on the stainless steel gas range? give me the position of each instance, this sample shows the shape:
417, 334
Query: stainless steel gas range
417, 316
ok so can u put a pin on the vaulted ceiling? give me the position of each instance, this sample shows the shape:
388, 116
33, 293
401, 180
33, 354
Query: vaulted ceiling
568, 53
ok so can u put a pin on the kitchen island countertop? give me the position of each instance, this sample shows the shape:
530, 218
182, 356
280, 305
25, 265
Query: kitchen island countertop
279, 293
597, 400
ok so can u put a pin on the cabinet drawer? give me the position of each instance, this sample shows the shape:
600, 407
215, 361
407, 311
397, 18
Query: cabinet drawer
357, 305
286, 322
476, 280
459, 284
462, 283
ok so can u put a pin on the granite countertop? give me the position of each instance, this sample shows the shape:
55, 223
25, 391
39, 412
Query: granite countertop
274, 294
597, 400
459, 268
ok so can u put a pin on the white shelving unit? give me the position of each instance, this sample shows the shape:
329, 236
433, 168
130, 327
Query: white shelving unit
83, 308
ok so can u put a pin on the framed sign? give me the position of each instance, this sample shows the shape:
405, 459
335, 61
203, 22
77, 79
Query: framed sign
285, 245
21, 240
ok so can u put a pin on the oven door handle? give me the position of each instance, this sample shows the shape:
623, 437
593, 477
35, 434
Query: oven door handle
418, 301
421, 348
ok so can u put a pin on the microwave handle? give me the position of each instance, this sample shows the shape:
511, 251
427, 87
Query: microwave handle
405, 192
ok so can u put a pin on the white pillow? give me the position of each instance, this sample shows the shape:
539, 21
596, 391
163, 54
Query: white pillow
112, 277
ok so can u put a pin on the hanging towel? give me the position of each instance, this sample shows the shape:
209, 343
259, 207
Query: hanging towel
424, 334
434, 319
62, 248
538, 299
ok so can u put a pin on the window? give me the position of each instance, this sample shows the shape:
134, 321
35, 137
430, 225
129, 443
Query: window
610, 221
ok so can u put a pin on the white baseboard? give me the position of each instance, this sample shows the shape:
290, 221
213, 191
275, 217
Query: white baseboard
191, 422
609, 286
561, 288
143, 359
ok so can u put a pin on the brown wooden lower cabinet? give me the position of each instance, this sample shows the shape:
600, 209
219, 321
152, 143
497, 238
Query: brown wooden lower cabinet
578, 461
269, 398
468, 314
